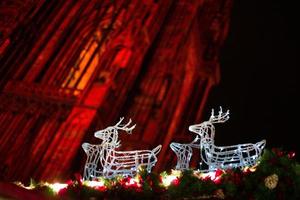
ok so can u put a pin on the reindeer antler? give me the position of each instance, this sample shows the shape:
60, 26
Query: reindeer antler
220, 118
119, 122
125, 127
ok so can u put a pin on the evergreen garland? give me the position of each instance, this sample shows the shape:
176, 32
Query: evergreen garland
276, 177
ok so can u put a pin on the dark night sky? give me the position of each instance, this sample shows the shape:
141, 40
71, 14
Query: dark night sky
259, 79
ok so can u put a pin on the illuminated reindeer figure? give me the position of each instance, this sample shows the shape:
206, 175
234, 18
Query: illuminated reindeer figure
104, 160
223, 157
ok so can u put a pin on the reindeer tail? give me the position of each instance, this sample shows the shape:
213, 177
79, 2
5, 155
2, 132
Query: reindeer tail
156, 150
261, 145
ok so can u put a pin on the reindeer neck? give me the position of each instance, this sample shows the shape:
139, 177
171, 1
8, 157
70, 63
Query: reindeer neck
208, 132
207, 140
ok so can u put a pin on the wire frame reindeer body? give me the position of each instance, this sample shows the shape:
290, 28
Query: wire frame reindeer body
94, 165
105, 160
184, 153
223, 157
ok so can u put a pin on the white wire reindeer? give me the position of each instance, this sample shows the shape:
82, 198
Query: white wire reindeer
223, 157
104, 160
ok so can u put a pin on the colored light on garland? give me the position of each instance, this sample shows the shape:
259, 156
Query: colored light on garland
167, 180
95, 184
30, 187
291, 155
249, 169
173, 178
133, 182
56, 187
215, 176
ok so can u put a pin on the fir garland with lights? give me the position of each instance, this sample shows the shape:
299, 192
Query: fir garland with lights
276, 177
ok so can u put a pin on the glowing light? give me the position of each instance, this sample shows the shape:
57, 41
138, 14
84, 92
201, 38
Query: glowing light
249, 169
133, 182
30, 187
177, 173
173, 178
94, 184
167, 180
291, 155
56, 187
215, 176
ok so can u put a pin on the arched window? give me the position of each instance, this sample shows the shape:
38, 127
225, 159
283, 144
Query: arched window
86, 64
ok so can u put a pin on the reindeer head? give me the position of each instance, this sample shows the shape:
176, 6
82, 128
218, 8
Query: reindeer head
201, 129
110, 134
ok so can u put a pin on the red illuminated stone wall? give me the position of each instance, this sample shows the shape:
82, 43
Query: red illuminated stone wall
69, 68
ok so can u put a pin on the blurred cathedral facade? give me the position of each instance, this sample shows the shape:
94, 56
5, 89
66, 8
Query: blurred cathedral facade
69, 68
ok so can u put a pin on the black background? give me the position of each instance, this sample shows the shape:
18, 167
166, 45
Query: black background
259, 76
